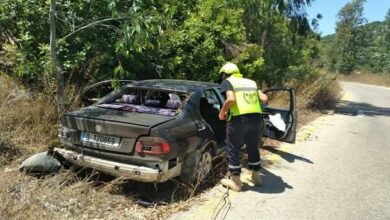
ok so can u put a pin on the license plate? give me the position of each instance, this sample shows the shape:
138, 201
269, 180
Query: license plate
108, 141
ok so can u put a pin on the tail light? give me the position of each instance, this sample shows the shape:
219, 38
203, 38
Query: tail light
152, 145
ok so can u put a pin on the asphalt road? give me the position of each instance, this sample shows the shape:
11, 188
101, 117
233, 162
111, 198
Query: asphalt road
339, 169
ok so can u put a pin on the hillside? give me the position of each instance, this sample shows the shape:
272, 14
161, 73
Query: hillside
374, 53
375, 30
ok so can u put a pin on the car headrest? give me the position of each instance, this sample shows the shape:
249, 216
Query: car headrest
173, 103
131, 99
153, 103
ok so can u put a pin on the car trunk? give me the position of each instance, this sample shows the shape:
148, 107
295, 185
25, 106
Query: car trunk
108, 129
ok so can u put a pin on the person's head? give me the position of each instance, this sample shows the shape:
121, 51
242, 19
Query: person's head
229, 69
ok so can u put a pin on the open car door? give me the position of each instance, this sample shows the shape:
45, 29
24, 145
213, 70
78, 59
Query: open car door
94, 92
280, 115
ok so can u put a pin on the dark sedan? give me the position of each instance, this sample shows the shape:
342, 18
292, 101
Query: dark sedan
155, 130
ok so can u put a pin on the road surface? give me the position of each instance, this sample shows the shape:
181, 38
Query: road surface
338, 169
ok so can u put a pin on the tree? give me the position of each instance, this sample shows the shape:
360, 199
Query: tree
55, 62
283, 31
349, 37
270, 40
386, 67
387, 30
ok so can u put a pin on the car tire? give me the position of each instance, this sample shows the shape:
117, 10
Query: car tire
196, 167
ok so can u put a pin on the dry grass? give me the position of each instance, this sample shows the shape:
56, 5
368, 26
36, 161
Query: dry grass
67, 195
318, 94
27, 120
313, 97
63, 196
316, 97
8, 152
28, 124
87, 195
367, 78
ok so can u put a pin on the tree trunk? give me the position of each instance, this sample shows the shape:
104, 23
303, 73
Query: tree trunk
55, 62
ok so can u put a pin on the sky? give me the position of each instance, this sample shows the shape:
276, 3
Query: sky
374, 10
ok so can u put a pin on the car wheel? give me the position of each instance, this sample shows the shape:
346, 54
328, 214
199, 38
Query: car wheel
205, 163
197, 166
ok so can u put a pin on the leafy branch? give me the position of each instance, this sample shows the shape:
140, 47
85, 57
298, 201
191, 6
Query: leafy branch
95, 23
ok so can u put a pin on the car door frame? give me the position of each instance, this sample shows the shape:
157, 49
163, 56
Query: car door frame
270, 131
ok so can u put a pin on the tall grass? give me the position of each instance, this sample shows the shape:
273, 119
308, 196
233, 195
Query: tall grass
28, 120
319, 94
62, 196
316, 96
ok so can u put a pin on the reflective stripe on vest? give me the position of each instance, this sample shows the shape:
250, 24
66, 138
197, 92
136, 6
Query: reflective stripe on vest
247, 96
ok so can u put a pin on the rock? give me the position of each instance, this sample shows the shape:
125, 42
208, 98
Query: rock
43, 162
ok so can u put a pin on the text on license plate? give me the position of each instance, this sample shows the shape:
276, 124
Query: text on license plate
100, 139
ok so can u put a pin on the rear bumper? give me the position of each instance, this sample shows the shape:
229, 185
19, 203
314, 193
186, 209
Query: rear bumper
128, 171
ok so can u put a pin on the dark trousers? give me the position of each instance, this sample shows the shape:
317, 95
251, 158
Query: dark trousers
243, 129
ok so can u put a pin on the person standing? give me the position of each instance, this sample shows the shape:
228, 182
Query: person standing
242, 110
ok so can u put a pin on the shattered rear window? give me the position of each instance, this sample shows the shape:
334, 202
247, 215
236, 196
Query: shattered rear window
150, 101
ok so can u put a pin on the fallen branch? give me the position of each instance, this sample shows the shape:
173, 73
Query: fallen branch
91, 25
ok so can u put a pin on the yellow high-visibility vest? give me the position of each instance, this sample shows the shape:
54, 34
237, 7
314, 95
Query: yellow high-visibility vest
247, 96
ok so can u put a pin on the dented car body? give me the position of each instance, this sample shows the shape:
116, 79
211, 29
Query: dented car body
155, 130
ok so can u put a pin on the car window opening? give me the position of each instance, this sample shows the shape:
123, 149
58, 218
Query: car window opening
209, 108
150, 101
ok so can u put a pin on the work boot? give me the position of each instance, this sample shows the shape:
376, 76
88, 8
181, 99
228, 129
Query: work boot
234, 183
255, 178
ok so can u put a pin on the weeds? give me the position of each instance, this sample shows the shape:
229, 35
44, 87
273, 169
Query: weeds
8, 152
56, 197
326, 96
318, 94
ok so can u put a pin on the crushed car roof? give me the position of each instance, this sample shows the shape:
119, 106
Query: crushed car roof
183, 85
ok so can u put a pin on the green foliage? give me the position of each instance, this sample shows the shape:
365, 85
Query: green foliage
373, 52
24, 21
375, 56
387, 30
344, 53
283, 31
270, 40
386, 42
202, 43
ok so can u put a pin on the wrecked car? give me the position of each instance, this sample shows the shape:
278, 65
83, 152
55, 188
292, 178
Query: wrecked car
156, 130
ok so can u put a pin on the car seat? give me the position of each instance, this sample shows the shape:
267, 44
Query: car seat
153, 103
130, 99
173, 104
